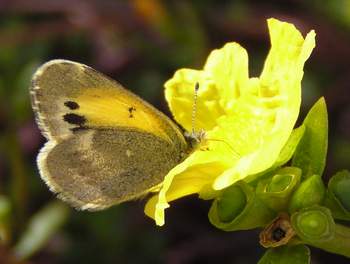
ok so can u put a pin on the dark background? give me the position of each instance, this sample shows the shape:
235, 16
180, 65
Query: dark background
141, 44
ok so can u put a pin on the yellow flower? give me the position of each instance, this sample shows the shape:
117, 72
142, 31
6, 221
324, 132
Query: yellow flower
247, 120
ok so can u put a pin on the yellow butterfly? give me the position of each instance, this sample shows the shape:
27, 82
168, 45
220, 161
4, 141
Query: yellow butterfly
105, 144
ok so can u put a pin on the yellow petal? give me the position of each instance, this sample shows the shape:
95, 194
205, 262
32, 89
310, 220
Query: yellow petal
237, 172
228, 67
225, 74
179, 93
267, 111
281, 79
192, 180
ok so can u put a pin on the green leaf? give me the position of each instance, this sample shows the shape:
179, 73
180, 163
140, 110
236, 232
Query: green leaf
311, 152
290, 254
310, 192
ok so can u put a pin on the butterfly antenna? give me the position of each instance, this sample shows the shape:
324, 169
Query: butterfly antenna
198, 136
194, 108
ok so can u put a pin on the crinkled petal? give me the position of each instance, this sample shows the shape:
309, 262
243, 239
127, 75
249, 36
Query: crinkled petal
275, 98
179, 93
228, 68
225, 74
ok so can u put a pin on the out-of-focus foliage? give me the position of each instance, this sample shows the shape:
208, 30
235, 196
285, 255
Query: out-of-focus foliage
141, 44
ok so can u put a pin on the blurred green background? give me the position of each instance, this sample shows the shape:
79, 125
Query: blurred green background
141, 43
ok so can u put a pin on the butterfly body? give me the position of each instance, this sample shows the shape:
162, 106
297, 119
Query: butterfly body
105, 144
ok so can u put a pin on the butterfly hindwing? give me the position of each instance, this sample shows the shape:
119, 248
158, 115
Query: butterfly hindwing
97, 169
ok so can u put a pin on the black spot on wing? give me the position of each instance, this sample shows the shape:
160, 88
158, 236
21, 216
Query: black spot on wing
79, 128
131, 110
74, 119
71, 105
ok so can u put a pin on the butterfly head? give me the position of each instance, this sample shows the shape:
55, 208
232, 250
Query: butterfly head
195, 138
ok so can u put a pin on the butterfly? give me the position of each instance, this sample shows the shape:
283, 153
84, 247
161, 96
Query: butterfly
104, 145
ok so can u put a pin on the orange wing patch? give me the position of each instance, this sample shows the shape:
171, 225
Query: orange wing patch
108, 107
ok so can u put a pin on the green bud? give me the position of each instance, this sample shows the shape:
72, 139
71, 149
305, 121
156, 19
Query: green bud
228, 210
338, 195
238, 208
316, 227
314, 223
310, 192
276, 191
